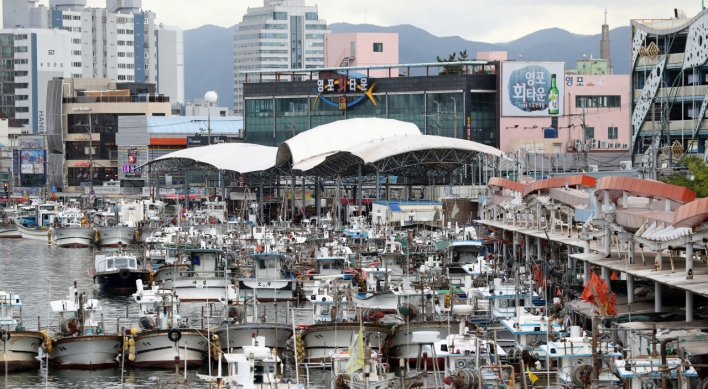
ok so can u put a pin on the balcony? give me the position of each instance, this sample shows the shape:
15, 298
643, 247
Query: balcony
116, 99
682, 91
675, 60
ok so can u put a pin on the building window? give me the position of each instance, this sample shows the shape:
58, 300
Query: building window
66, 17
121, 43
20, 49
21, 73
315, 27
76, 17
611, 132
126, 66
378, 47
20, 37
21, 61
314, 36
76, 64
76, 41
76, 75
280, 16
311, 16
598, 101
554, 122
75, 52
589, 132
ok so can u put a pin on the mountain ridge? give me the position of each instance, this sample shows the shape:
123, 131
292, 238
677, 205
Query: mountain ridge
208, 51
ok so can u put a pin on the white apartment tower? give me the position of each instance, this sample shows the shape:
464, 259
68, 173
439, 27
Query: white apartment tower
283, 34
119, 42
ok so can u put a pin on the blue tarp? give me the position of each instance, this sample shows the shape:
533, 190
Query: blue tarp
395, 207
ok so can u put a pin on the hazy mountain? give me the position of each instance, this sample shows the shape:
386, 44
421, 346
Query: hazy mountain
209, 51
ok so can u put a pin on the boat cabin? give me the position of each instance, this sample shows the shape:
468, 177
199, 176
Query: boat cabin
206, 262
8, 301
105, 263
502, 299
463, 252
377, 279
569, 355
268, 266
328, 266
645, 372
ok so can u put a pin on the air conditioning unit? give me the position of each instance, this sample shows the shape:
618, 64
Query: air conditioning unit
611, 145
625, 146
593, 169
603, 144
626, 165
578, 144
594, 143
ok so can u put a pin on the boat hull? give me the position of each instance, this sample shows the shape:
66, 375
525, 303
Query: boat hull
385, 301
40, 234
121, 281
267, 291
321, 340
73, 237
9, 231
401, 346
155, 350
21, 351
198, 290
238, 335
111, 236
86, 352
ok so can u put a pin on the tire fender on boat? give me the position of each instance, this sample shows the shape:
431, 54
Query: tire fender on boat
124, 274
174, 335
4, 335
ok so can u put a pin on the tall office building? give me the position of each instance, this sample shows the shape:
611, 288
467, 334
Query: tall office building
119, 42
283, 34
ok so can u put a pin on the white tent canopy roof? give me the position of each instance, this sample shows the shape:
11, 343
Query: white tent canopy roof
378, 149
238, 157
310, 148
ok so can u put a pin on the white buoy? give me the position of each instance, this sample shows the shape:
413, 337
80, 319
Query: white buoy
468, 282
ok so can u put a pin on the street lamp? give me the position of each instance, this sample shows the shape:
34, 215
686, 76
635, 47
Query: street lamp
211, 97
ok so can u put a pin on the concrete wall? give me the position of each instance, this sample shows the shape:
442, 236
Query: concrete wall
337, 46
517, 130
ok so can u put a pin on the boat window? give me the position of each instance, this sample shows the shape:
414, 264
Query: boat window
109, 264
261, 264
171, 253
324, 309
122, 263
325, 266
337, 264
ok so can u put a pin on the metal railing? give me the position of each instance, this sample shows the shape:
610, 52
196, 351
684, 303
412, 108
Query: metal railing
116, 99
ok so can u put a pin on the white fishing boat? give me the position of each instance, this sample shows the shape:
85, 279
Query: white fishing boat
321, 341
204, 277
378, 291
46, 214
18, 348
258, 367
267, 283
116, 236
163, 333
80, 342
241, 324
572, 359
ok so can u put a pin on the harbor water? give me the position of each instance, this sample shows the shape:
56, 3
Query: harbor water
40, 273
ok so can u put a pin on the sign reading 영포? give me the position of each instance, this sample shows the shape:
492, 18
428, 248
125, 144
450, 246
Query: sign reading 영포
343, 85
528, 88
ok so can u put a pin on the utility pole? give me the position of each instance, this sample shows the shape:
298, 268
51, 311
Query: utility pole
90, 157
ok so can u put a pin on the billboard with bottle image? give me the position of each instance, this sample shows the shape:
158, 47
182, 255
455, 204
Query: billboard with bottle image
532, 88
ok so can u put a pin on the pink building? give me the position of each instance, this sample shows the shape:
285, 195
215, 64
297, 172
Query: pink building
605, 102
362, 49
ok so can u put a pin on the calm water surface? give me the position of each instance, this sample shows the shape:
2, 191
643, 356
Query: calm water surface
40, 273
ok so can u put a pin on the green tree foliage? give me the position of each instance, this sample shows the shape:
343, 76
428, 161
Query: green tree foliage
699, 173
454, 69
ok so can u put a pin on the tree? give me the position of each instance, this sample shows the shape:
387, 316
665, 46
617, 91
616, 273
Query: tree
699, 177
454, 69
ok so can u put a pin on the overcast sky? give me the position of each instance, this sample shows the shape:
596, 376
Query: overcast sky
487, 21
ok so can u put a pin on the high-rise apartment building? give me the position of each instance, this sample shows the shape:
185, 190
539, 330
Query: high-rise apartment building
119, 42
283, 34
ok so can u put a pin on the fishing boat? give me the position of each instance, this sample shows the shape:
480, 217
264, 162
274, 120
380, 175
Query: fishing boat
321, 341
163, 333
377, 290
465, 252
116, 236
258, 367
80, 342
268, 284
204, 277
401, 351
19, 348
571, 357
73, 236
116, 271
46, 214
242, 323
372, 375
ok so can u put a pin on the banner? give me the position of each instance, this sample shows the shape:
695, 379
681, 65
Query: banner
533, 88
32, 161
